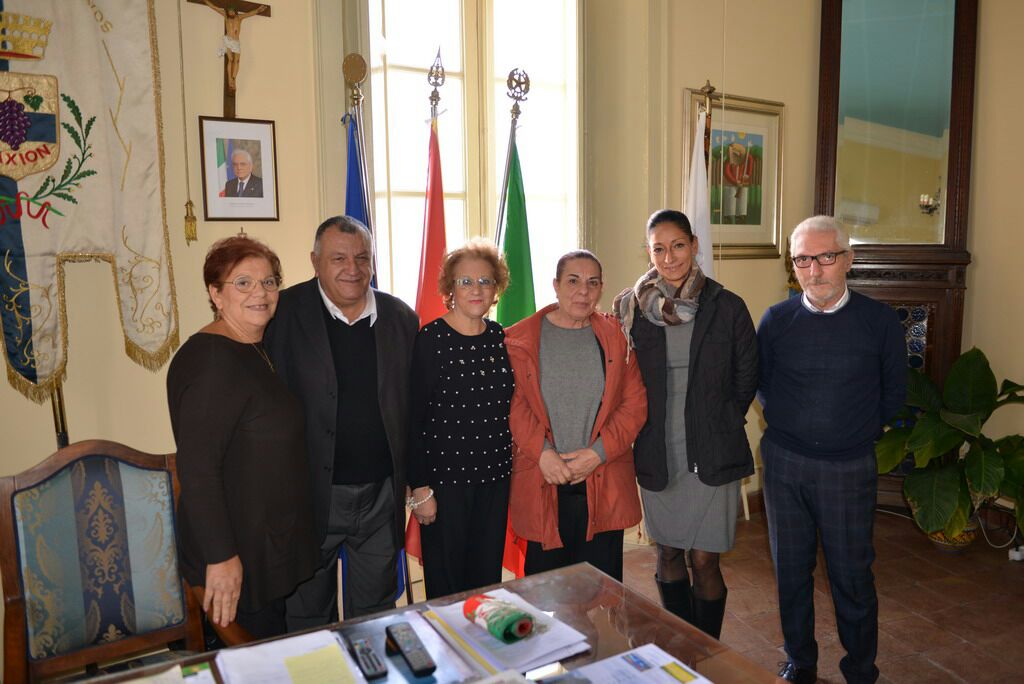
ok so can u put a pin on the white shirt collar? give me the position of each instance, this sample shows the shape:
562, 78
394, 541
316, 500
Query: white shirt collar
369, 310
830, 310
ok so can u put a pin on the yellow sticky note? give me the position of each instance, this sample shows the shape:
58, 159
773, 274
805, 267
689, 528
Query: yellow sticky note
325, 665
679, 672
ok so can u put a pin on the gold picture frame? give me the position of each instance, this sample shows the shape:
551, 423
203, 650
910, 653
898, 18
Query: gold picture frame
746, 190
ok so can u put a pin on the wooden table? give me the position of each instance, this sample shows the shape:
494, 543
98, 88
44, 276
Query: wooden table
613, 617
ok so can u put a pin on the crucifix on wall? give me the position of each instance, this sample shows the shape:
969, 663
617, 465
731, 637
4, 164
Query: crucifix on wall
234, 13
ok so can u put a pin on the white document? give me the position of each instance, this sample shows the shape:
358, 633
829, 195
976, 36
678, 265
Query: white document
317, 657
550, 641
644, 664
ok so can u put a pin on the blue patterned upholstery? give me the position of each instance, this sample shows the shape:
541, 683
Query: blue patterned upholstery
97, 556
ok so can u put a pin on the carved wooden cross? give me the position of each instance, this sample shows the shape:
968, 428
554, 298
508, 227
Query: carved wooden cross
234, 12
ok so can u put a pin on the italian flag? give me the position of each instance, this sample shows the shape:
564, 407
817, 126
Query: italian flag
223, 161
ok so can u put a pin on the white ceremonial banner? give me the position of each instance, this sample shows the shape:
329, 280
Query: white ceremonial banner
698, 207
81, 179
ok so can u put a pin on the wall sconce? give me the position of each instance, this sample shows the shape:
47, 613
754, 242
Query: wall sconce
930, 204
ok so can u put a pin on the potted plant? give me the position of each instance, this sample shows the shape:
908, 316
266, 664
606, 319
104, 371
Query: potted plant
956, 467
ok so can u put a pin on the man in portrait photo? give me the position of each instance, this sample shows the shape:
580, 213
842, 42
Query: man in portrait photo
244, 184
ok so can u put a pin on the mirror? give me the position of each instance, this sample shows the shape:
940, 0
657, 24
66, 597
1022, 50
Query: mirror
892, 143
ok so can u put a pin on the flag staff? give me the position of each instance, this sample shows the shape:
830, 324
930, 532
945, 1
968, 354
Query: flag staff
60, 419
354, 70
518, 84
708, 91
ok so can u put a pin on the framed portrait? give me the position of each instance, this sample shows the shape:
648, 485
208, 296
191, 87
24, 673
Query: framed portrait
239, 162
744, 173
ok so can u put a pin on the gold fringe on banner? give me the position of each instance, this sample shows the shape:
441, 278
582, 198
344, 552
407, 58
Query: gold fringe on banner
32, 391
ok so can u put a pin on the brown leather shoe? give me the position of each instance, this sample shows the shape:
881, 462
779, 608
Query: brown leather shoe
801, 675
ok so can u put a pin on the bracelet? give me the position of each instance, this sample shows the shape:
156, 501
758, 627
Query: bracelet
412, 503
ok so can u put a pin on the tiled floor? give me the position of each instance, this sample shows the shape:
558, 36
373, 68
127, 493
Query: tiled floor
942, 618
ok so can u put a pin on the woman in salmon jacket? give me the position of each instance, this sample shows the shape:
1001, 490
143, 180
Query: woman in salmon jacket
579, 403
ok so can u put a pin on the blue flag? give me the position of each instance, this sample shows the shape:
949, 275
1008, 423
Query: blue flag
355, 193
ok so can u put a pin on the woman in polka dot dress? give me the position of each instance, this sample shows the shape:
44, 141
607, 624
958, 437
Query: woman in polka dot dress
460, 447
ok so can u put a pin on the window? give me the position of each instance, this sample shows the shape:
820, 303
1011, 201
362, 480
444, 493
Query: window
480, 42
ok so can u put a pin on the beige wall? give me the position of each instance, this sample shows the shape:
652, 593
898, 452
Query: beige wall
994, 318
107, 395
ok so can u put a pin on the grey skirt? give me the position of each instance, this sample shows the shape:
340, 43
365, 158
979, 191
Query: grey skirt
689, 514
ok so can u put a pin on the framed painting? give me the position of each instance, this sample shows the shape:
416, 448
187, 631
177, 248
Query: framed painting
744, 173
239, 163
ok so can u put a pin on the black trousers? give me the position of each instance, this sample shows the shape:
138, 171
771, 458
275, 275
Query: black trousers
360, 522
604, 551
805, 497
462, 548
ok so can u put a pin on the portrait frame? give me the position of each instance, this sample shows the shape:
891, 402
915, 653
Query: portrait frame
223, 143
750, 131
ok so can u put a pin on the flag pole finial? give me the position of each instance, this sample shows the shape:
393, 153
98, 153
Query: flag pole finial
435, 77
518, 84
708, 90
354, 70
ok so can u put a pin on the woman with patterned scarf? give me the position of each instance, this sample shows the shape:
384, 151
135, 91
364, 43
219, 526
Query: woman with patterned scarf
694, 341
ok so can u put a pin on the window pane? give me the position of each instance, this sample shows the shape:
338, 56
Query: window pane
414, 30
544, 54
409, 134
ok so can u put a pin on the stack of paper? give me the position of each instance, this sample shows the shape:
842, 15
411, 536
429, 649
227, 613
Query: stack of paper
317, 657
644, 664
551, 640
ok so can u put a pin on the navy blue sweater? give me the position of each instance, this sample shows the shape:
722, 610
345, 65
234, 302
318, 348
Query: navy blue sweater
830, 381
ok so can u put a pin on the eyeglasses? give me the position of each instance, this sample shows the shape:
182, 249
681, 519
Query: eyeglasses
246, 284
465, 282
823, 259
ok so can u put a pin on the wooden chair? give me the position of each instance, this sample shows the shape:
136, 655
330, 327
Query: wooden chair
89, 561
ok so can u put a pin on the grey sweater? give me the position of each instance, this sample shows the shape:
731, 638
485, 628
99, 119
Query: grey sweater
572, 384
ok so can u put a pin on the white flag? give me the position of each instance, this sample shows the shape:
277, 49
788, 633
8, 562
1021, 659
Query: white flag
81, 179
697, 208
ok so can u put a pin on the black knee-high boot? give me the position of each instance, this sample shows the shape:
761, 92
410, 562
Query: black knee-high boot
708, 615
677, 597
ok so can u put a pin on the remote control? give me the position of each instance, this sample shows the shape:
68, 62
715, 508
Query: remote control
402, 639
367, 659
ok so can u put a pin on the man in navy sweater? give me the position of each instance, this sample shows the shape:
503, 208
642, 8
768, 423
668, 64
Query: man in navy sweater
833, 371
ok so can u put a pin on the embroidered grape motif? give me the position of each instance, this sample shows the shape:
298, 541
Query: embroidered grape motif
14, 123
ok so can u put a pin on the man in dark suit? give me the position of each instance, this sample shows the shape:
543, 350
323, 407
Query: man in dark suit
244, 184
344, 349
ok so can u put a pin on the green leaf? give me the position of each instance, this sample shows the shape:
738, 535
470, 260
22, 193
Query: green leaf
45, 185
970, 386
962, 515
931, 438
73, 133
1012, 450
970, 423
85, 174
1018, 498
922, 392
933, 494
984, 470
88, 126
891, 449
1009, 386
73, 106
66, 196
67, 172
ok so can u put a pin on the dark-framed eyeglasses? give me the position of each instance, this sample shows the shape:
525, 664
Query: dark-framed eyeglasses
246, 284
823, 259
465, 282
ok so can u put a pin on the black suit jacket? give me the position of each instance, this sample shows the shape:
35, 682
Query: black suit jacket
253, 187
298, 345
720, 386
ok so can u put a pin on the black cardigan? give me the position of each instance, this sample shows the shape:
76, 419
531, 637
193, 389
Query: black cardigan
722, 382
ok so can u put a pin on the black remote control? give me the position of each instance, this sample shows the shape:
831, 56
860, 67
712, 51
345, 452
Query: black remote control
367, 659
402, 639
